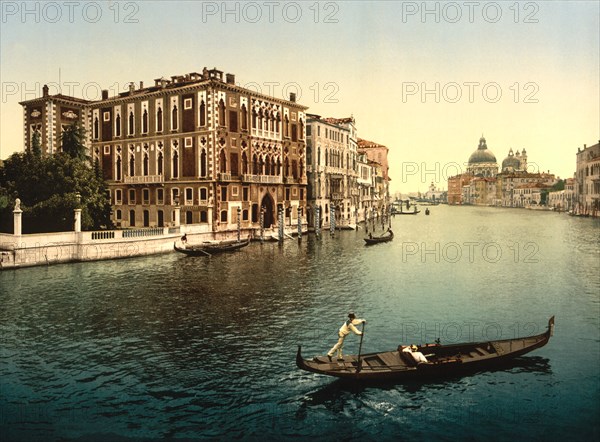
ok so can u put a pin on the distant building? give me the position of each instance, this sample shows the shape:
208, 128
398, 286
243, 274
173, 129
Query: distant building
196, 146
378, 153
332, 170
482, 162
588, 180
455, 187
563, 199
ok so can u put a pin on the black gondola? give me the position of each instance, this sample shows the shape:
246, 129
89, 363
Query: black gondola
385, 237
442, 360
207, 249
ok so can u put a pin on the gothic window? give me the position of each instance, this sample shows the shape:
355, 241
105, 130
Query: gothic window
96, 128
286, 170
202, 114
203, 163
221, 113
159, 120
118, 174
286, 126
278, 172
254, 117
222, 161
145, 122
244, 163
175, 173
118, 125
244, 118
130, 128
174, 119
146, 164
255, 165
273, 167
160, 163
261, 166
301, 129
131, 164
234, 164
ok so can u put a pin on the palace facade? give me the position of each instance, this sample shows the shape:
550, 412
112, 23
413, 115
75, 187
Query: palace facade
195, 149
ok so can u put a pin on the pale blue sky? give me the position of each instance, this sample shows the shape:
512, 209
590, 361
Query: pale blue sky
363, 61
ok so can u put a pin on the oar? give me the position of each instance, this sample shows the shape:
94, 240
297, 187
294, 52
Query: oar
358, 365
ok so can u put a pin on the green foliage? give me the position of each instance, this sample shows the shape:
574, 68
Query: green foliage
72, 139
36, 144
47, 187
560, 185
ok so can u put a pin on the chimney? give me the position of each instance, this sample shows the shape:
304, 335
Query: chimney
45, 90
104, 94
230, 78
131, 88
293, 97
141, 85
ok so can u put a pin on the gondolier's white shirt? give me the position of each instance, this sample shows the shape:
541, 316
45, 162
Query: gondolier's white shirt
349, 326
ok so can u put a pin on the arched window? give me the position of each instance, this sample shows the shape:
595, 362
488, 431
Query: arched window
130, 128
159, 120
131, 165
175, 165
96, 126
222, 161
273, 167
202, 114
278, 172
244, 117
254, 117
118, 125
146, 164
145, 122
118, 171
244, 163
174, 119
160, 163
286, 170
255, 165
268, 166
221, 113
261, 166
203, 163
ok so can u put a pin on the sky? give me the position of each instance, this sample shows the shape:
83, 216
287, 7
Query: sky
425, 79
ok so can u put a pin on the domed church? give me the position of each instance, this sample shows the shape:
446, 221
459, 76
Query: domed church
515, 162
482, 162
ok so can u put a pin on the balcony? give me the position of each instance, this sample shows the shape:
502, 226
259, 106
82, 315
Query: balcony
262, 179
224, 176
147, 179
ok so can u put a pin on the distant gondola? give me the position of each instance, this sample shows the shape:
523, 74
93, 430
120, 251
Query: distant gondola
208, 249
442, 360
414, 212
385, 237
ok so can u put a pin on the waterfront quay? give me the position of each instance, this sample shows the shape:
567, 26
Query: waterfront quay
169, 347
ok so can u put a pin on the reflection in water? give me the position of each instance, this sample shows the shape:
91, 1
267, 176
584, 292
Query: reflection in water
176, 347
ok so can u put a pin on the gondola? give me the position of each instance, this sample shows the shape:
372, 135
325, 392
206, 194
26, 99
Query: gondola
414, 212
208, 249
442, 360
385, 237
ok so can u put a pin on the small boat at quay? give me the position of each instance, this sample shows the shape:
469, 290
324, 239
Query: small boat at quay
426, 361
210, 248
385, 237
408, 212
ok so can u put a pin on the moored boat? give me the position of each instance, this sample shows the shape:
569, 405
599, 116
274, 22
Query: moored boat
210, 248
441, 360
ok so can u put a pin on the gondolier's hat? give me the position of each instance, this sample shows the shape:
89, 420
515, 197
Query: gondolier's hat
414, 347
351, 315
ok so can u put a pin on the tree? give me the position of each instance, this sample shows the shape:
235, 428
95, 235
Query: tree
36, 144
48, 188
71, 139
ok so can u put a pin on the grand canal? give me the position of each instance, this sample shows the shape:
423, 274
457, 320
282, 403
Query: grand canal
203, 348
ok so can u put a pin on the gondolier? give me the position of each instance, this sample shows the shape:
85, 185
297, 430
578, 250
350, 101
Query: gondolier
345, 329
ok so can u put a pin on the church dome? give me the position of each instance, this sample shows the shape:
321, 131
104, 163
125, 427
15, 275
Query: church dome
482, 154
511, 162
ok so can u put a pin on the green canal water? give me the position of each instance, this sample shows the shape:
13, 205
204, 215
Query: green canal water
195, 348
